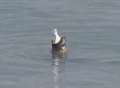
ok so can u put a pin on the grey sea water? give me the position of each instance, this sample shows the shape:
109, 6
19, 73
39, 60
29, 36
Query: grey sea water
92, 28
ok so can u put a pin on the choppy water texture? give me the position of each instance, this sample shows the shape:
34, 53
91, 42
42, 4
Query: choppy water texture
92, 28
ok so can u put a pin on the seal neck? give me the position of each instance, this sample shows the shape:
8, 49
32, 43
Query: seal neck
57, 37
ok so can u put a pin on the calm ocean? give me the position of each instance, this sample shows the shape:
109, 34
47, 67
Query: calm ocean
92, 28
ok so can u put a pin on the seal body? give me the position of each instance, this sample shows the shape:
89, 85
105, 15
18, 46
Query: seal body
59, 49
58, 45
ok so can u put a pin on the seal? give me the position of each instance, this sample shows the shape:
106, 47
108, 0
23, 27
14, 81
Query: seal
58, 45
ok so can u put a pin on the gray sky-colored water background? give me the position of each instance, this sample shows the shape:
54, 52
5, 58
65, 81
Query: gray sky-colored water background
92, 29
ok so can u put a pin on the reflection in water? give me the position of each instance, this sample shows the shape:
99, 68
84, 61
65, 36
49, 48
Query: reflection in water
58, 69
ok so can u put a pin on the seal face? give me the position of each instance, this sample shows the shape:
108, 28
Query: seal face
58, 48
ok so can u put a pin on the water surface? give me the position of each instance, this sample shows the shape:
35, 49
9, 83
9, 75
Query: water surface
92, 30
